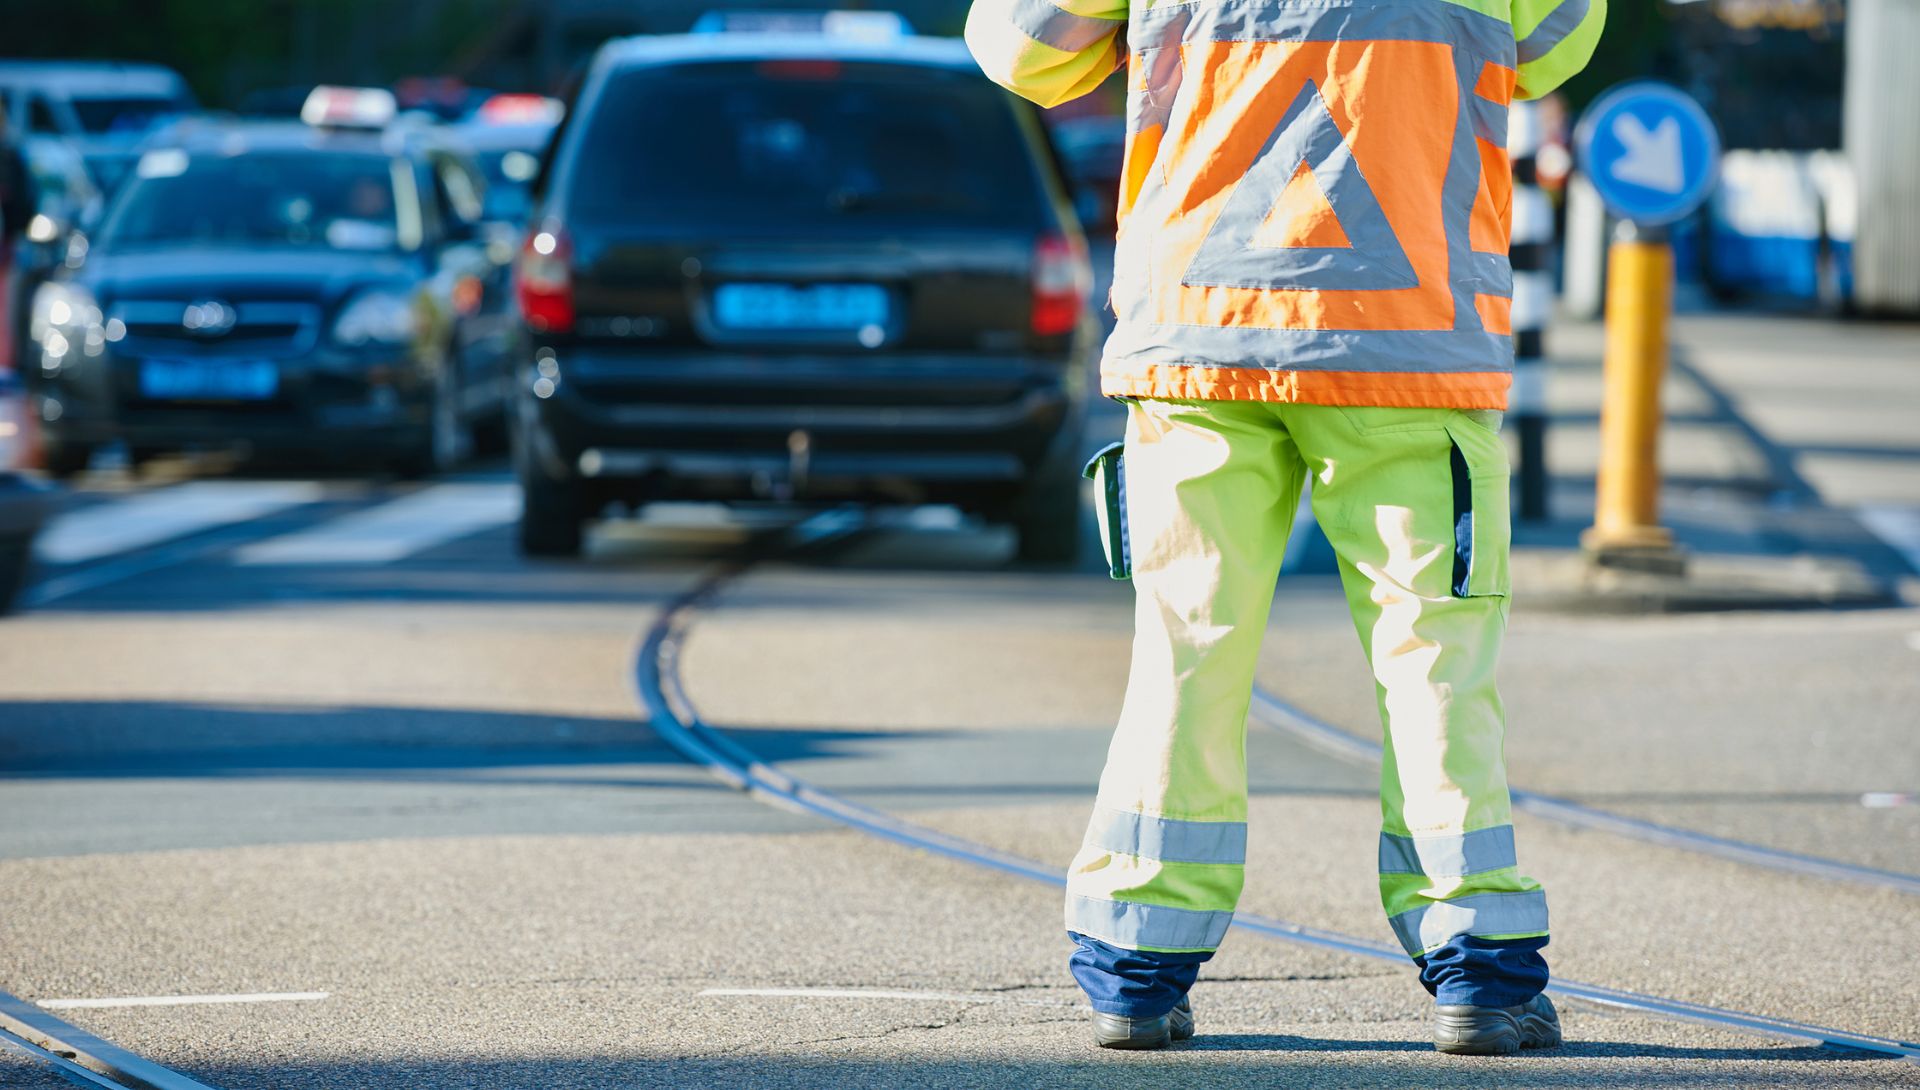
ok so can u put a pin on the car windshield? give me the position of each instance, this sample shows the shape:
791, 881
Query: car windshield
804, 142
124, 114
345, 202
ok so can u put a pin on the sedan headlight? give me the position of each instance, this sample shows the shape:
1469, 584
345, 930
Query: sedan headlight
378, 317
65, 319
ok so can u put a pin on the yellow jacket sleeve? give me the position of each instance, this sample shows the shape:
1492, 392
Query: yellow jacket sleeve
1048, 51
1556, 39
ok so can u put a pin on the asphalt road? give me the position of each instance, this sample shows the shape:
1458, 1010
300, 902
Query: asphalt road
350, 744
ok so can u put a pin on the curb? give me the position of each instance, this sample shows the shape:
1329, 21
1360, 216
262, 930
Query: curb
1565, 581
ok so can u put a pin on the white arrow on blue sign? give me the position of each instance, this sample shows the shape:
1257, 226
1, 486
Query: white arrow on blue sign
1651, 151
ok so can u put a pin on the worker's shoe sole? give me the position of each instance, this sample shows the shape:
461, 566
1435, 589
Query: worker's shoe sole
1136, 1034
1464, 1030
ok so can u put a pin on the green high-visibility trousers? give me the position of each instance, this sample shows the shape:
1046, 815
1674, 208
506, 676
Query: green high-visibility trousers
1414, 501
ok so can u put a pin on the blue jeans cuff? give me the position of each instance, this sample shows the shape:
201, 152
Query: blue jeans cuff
1479, 996
1485, 972
1132, 983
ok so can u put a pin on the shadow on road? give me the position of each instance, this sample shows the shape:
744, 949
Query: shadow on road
122, 739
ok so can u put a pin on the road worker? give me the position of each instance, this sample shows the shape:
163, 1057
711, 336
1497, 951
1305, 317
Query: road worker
1310, 284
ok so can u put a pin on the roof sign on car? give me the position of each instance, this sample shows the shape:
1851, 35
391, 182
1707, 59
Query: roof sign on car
514, 109
865, 26
349, 108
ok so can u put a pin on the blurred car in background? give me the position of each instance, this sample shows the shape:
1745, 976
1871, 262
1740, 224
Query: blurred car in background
274, 103
801, 265
507, 137
105, 108
310, 291
442, 98
68, 202
24, 504
1091, 149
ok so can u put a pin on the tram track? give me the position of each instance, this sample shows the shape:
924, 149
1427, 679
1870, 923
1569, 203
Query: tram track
1275, 712
79, 1057
674, 717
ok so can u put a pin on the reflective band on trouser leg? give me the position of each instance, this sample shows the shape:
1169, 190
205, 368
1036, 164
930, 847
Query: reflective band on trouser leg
1169, 840
1436, 887
1207, 514
1389, 499
1487, 915
1133, 925
1448, 855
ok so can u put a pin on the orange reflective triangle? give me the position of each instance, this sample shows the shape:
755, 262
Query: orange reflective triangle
1302, 217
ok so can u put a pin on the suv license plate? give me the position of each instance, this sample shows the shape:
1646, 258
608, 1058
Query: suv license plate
810, 307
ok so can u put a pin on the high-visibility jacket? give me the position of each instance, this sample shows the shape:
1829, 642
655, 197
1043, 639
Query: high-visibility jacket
1315, 201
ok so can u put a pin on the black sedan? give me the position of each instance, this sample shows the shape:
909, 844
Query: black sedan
291, 292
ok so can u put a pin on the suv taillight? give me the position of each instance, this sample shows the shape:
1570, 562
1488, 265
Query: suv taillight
1061, 277
543, 280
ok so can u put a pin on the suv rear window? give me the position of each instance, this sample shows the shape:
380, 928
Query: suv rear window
804, 142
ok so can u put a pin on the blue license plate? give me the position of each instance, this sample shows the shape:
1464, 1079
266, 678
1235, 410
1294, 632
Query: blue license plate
799, 307
209, 380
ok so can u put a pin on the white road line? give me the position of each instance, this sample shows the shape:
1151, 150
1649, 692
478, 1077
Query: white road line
177, 1000
878, 993
1913, 641
1899, 527
119, 526
395, 530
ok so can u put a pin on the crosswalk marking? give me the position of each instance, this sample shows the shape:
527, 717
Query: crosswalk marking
395, 530
125, 525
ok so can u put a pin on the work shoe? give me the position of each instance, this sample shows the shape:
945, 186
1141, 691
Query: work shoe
1466, 1030
1120, 1031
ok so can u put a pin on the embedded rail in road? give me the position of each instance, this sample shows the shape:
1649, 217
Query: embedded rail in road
1327, 738
675, 719
78, 1056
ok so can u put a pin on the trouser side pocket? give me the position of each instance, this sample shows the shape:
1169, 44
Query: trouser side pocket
1108, 471
1482, 526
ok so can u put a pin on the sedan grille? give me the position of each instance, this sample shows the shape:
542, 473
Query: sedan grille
276, 328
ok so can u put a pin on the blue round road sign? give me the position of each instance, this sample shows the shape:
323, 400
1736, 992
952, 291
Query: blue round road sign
1650, 150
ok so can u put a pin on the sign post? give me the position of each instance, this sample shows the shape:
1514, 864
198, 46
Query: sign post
1652, 154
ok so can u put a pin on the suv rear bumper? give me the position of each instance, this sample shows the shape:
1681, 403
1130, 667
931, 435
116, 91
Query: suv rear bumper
708, 449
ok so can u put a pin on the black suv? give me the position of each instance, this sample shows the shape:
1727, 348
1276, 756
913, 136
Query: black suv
801, 267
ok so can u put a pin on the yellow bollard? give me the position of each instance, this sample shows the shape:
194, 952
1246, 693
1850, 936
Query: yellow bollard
1626, 529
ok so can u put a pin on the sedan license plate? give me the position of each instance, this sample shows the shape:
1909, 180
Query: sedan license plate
799, 307
209, 380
